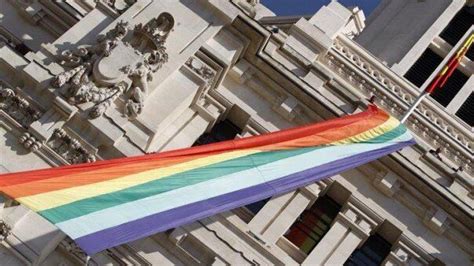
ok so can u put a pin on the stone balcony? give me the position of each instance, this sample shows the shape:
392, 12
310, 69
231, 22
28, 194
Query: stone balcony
435, 129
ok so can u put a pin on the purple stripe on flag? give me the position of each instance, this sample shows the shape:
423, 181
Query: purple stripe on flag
163, 221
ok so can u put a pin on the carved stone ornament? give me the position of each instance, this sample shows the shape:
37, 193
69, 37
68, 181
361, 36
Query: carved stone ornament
69, 148
205, 72
120, 5
17, 107
72, 248
5, 230
121, 63
30, 142
201, 69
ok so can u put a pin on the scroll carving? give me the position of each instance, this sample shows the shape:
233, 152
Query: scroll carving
18, 107
120, 64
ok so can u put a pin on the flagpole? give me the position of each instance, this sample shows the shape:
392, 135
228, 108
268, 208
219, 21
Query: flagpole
414, 105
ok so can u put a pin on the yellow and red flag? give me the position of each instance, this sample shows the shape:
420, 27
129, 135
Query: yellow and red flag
449, 68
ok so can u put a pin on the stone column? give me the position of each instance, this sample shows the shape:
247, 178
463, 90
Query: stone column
277, 216
350, 228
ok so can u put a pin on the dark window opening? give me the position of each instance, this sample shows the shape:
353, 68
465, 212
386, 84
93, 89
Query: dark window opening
423, 67
224, 130
18, 47
470, 53
313, 224
458, 26
466, 112
372, 253
257, 206
22, 49
453, 85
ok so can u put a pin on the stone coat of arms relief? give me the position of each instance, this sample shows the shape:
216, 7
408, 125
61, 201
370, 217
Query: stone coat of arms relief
121, 63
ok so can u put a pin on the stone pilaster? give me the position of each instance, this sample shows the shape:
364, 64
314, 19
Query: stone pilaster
350, 228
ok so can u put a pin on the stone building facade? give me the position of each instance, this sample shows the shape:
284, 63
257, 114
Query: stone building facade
85, 80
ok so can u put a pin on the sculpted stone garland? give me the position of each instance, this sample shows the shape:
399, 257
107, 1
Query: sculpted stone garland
119, 64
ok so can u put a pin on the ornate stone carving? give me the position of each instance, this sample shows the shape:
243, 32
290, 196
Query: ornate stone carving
119, 64
69, 148
72, 248
248, 6
17, 107
120, 5
200, 68
205, 72
156, 30
5, 230
30, 142
253, 2
393, 91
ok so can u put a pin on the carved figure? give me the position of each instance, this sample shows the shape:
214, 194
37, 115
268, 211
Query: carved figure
138, 91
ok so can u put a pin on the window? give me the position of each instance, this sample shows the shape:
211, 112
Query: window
423, 67
313, 224
372, 252
458, 26
466, 112
453, 85
224, 130
13, 42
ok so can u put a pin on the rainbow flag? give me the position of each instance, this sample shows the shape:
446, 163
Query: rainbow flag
108, 203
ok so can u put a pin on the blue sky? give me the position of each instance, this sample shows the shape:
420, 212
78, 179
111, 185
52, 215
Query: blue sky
309, 7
